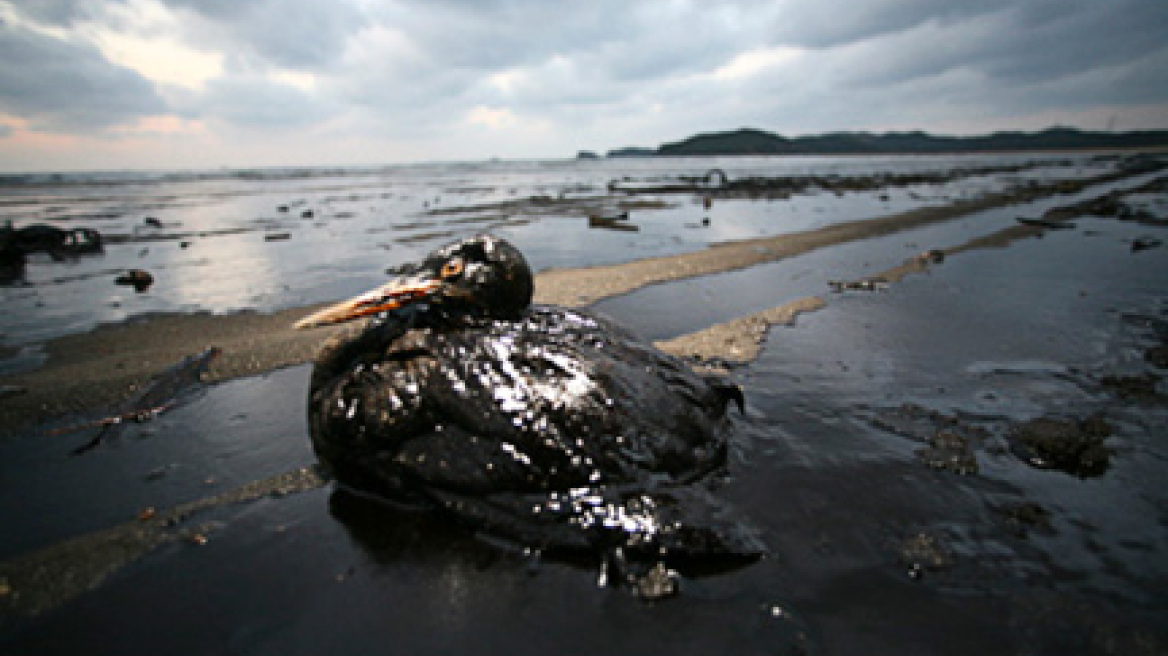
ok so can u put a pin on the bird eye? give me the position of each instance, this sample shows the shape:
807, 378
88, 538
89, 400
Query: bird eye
452, 268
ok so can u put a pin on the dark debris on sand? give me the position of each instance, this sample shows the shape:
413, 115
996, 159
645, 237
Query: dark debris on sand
948, 441
1157, 356
1073, 446
1142, 387
925, 551
1026, 516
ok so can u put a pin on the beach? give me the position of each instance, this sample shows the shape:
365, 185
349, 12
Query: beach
88, 370
896, 336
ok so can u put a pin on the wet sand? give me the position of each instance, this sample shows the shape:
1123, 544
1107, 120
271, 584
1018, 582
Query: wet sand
579, 287
43, 580
88, 372
886, 537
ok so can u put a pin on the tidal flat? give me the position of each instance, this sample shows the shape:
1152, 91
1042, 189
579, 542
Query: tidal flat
895, 328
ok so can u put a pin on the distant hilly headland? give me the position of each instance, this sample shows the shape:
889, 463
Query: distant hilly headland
749, 141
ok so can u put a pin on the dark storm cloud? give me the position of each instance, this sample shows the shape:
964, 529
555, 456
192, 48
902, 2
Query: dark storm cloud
56, 12
667, 44
223, 10
818, 24
1025, 52
301, 35
495, 35
1066, 37
627, 71
566, 54
61, 86
254, 102
641, 40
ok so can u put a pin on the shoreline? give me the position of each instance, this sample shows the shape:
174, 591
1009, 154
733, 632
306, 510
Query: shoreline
91, 371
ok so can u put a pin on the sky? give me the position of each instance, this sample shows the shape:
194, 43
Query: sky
180, 84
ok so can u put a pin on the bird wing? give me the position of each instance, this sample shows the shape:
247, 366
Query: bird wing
685, 523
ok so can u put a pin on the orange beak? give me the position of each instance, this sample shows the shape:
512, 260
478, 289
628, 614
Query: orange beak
390, 296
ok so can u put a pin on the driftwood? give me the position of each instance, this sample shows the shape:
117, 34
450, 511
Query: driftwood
1045, 223
866, 285
162, 393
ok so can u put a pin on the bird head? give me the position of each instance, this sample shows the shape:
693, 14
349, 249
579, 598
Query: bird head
482, 276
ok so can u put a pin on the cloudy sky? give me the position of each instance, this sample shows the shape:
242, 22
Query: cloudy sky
111, 84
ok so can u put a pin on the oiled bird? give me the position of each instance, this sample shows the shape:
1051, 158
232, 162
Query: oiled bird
544, 425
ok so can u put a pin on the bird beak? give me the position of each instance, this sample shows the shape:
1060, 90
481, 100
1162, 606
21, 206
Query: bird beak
395, 294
